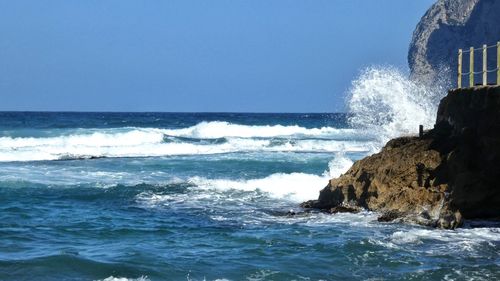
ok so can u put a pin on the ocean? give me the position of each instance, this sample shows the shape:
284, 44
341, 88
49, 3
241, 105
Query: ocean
208, 196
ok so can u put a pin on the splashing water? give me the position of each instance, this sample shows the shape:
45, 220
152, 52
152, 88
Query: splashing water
387, 103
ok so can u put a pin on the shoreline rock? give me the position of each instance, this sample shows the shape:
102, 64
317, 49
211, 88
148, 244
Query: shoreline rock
447, 175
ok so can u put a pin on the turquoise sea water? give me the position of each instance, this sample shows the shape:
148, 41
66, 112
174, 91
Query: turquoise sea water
180, 196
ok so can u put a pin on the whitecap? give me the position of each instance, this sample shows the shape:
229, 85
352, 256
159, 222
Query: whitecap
222, 129
142, 142
112, 278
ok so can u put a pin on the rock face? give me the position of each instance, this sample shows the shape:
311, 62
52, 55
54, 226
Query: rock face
450, 25
438, 179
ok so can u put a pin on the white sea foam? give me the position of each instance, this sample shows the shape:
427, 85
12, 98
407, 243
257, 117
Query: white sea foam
361, 219
76, 175
143, 142
476, 235
294, 186
221, 129
464, 240
388, 104
112, 278
88, 175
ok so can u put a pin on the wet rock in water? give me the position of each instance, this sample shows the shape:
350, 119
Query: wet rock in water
290, 213
345, 209
389, 216
438, 180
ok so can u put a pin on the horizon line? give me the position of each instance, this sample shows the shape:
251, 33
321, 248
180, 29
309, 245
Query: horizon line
177, 112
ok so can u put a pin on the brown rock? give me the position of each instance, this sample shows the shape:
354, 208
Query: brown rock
435, 180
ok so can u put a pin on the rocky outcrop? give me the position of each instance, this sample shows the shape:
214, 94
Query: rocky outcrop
448, 174
450, 25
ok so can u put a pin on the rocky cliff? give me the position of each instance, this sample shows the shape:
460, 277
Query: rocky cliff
448, 174
448, 26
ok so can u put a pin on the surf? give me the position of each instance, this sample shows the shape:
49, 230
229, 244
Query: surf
204, 138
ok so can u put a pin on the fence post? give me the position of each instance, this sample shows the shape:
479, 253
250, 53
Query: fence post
471, 67
459, 78
498, 63
485, 65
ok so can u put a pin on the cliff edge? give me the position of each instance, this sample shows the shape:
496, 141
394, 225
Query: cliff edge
447, 26
448, 174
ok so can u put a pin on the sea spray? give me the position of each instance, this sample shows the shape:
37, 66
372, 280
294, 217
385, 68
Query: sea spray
384, 101
338, 165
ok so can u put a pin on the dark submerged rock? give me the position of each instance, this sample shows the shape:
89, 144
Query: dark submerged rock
345, 209
389, 216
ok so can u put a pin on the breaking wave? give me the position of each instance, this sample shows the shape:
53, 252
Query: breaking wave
204, 138
221, 129
296, 187
112, 278
384, 101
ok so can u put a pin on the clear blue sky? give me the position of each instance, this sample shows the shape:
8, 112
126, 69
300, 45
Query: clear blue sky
186, 55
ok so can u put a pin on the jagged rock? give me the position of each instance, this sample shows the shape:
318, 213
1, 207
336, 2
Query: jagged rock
389, 216
345, 209
437, 180
450, 25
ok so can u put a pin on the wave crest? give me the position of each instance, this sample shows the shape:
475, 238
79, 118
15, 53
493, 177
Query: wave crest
202, 139
294, 186
222, 129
